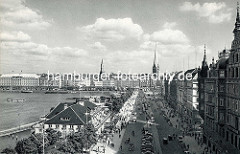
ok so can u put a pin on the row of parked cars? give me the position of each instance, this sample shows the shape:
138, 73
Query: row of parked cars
147, 143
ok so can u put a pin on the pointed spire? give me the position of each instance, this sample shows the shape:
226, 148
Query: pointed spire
205, 56
101, 69
237, 19
154, 59
237, 23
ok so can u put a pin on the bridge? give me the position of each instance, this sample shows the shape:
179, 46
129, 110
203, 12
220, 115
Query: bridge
18, 129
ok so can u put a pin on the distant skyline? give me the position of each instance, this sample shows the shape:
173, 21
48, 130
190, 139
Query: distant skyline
66, 36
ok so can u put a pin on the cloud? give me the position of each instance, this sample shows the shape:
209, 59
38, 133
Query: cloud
14, 36
113, 29
20, 44
214, 12
169, 36
98, 46
169, 25
171, 42
16, 15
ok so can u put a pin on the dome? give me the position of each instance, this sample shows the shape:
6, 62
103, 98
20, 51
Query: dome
222, 63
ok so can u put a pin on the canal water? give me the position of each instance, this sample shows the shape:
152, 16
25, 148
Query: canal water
22, 108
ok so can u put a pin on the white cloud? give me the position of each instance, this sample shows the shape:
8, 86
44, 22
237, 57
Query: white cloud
169, 25
14, 36
98, 46
19, 43
113, 29
16, 15
171, 42
169, 36
214, 12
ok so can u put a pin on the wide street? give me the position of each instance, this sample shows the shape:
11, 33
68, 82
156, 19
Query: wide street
159, 128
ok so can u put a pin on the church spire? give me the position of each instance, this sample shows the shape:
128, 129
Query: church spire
237, 18
205, 56
154, 60
154, 68
101, 69
237, 23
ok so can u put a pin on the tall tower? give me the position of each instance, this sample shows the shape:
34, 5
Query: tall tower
101, 70
236, 31
204, 69
154, 67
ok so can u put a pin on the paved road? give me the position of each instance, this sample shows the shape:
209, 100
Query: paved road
137, 127
160, 129
164, 130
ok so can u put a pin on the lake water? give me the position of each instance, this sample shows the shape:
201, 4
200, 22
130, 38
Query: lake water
22, 108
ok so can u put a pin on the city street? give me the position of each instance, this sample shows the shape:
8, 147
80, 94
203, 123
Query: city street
160, 129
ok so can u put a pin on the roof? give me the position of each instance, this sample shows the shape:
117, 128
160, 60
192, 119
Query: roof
21, 75
58, 109
74, 114
222, 63
192, 71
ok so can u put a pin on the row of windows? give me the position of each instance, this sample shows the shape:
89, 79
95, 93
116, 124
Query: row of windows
232, 89
233, 104
233, 72
235, 58
232, 120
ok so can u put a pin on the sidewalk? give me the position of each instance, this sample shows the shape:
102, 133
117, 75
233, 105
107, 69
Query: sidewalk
195, 143
112, 143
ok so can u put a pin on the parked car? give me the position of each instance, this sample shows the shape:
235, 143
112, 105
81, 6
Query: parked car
180, 138
165, 140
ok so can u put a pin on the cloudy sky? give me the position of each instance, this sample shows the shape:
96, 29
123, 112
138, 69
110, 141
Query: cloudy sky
67, 35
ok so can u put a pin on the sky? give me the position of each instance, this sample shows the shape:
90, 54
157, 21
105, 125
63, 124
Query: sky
63, 36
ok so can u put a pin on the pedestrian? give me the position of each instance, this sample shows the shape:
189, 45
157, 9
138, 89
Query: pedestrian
119, 135
121, 147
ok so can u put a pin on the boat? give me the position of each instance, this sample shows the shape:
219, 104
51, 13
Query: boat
26, 91
56, 92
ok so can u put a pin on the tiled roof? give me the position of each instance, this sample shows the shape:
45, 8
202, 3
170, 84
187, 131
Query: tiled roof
58, 109
21, 75
74, 114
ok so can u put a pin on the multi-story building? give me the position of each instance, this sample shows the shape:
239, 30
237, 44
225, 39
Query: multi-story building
180, 97
17, 81
173, 96
190, 97
233, 89
202, 75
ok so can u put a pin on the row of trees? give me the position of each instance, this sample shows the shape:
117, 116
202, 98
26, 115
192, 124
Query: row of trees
34, 143
116, 104
77, 142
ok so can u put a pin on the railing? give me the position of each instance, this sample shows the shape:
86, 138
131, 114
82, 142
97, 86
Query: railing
17, 129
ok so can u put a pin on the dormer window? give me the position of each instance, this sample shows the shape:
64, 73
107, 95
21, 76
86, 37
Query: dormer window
65, 119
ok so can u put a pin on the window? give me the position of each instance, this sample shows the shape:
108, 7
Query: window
50, 125
221, 102
57, 126
65, 118
236, 72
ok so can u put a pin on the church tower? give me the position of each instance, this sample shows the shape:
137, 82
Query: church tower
154, 67
101, 70
204, 68
236, 31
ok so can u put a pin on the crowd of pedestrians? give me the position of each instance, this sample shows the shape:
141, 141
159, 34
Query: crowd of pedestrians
192, 141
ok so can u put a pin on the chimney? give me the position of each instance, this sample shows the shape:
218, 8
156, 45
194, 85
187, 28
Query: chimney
65, 106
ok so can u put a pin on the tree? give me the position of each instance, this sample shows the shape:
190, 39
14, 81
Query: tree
77, 141
26, 146
52, 135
